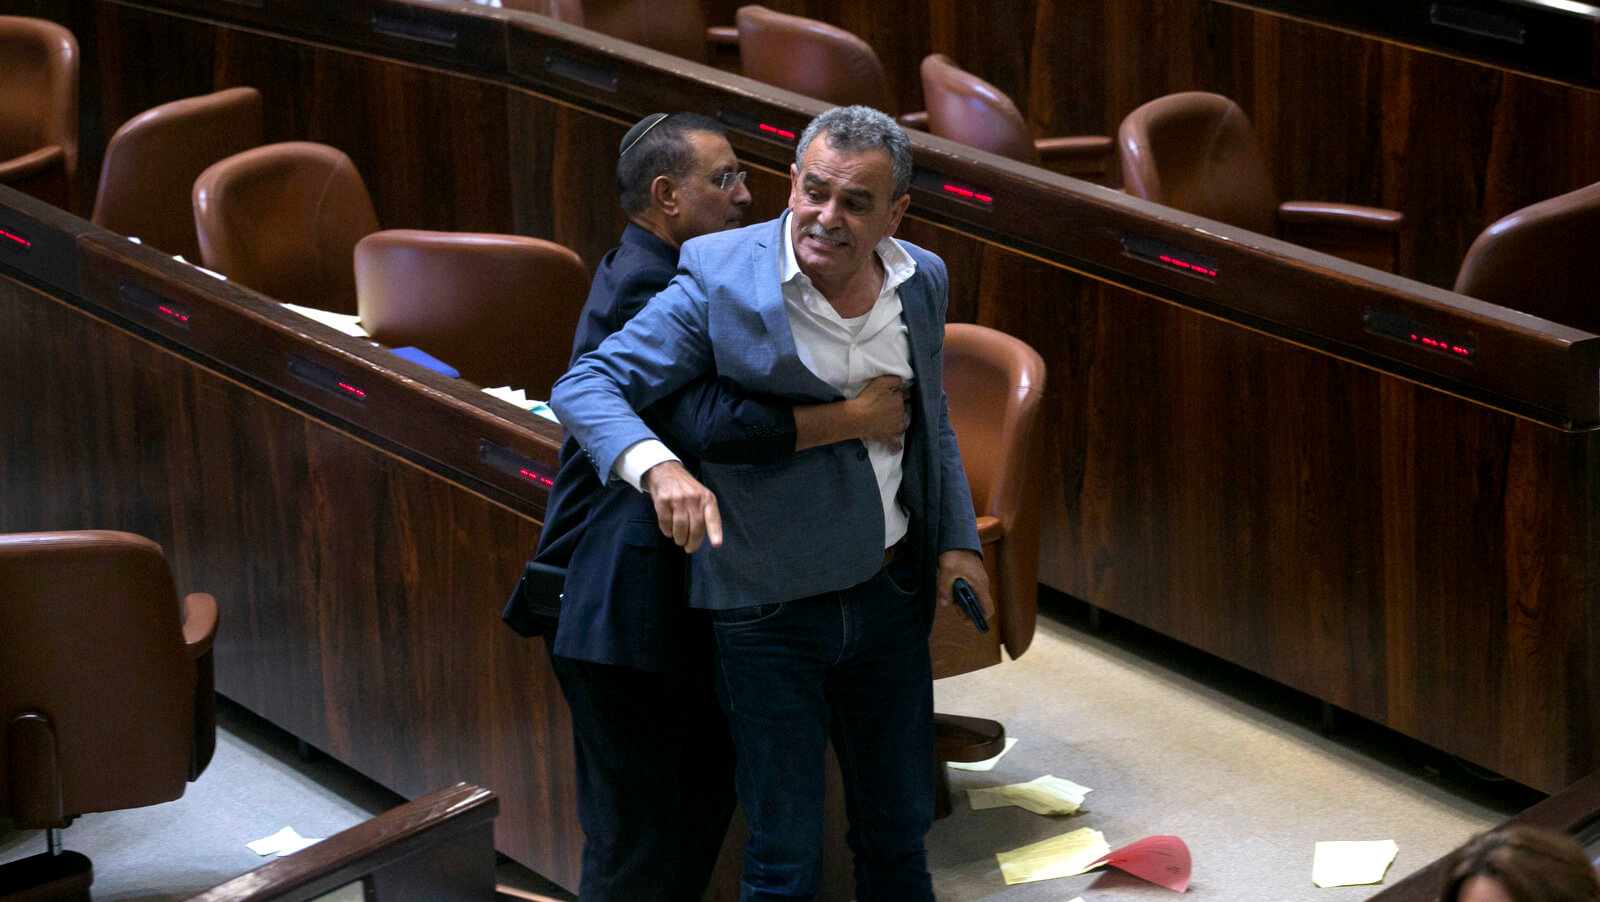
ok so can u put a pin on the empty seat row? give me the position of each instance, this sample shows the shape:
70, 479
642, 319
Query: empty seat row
38, 108
294, 220
1192, 151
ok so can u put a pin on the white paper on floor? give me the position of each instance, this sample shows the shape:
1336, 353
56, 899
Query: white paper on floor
1352, 863
987, 763
285, 842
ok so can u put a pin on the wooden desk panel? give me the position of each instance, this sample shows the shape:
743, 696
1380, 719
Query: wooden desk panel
1453, 143
1407, 555
359, 586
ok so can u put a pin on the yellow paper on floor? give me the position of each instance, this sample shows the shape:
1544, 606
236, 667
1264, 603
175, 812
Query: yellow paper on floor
1352, 863
1061, 856
1046, 795
987, 763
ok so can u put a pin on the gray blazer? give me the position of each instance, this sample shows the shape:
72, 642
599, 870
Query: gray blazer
814, 522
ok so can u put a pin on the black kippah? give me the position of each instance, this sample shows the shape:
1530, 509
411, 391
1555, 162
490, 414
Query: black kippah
639, 130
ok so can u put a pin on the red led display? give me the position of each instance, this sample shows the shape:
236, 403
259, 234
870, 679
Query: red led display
15, 237
1151, 250
535, 477
969, 194
1183, 264
173, 313
1441, 345
1438, 339
352, 389
773, 129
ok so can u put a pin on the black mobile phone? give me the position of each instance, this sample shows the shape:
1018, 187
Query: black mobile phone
969, 604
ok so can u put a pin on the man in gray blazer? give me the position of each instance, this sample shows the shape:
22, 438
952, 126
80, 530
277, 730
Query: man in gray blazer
821, 572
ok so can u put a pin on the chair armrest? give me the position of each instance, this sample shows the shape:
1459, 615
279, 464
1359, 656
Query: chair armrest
722, 36
917, 120
1077, 155
199, 623
33, 163
989, 529
1074, 147
1350, 216
1366, 235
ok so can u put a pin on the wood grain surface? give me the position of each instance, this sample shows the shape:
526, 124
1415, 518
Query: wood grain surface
359, 593
1451, 142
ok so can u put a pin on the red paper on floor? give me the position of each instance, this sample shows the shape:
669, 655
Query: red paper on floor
1162, 860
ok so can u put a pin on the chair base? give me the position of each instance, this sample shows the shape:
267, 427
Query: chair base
965, 739
47, 878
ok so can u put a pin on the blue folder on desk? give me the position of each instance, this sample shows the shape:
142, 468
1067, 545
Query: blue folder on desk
419, 356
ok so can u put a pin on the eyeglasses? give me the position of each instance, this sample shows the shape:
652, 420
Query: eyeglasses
727, 181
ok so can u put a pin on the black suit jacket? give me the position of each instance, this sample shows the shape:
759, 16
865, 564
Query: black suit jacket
624, 599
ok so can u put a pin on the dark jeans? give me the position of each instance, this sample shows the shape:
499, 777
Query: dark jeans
655, 780
854, 664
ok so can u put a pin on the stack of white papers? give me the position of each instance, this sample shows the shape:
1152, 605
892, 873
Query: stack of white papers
344, 322
520, 398
1046, 795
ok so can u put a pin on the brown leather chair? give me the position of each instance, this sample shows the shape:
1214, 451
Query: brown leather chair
284, 220
994, 383
963, 107
38, 108
1538, 260
502, 309
811, 58
153, 160
677, 27
107, 695
1198, 153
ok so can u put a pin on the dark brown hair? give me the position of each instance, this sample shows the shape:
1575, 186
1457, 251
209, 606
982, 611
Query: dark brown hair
1533, 865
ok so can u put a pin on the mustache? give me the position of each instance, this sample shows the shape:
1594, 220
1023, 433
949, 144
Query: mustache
837, 236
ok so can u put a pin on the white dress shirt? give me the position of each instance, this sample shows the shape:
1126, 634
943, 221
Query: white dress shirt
845, 353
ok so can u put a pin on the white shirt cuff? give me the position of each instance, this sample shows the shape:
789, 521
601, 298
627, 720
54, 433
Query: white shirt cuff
639, 457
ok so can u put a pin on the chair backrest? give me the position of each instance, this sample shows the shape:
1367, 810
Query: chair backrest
152, 161
284, 219
502, 309
98, 690
811, 58
1197, 152
677, 27
1536, 260
995, 383
965, 108
38, 89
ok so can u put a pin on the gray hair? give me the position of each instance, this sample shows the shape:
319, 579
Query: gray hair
861, 128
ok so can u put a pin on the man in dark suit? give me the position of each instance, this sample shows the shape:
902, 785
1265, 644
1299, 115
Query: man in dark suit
654, 759
820, 572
